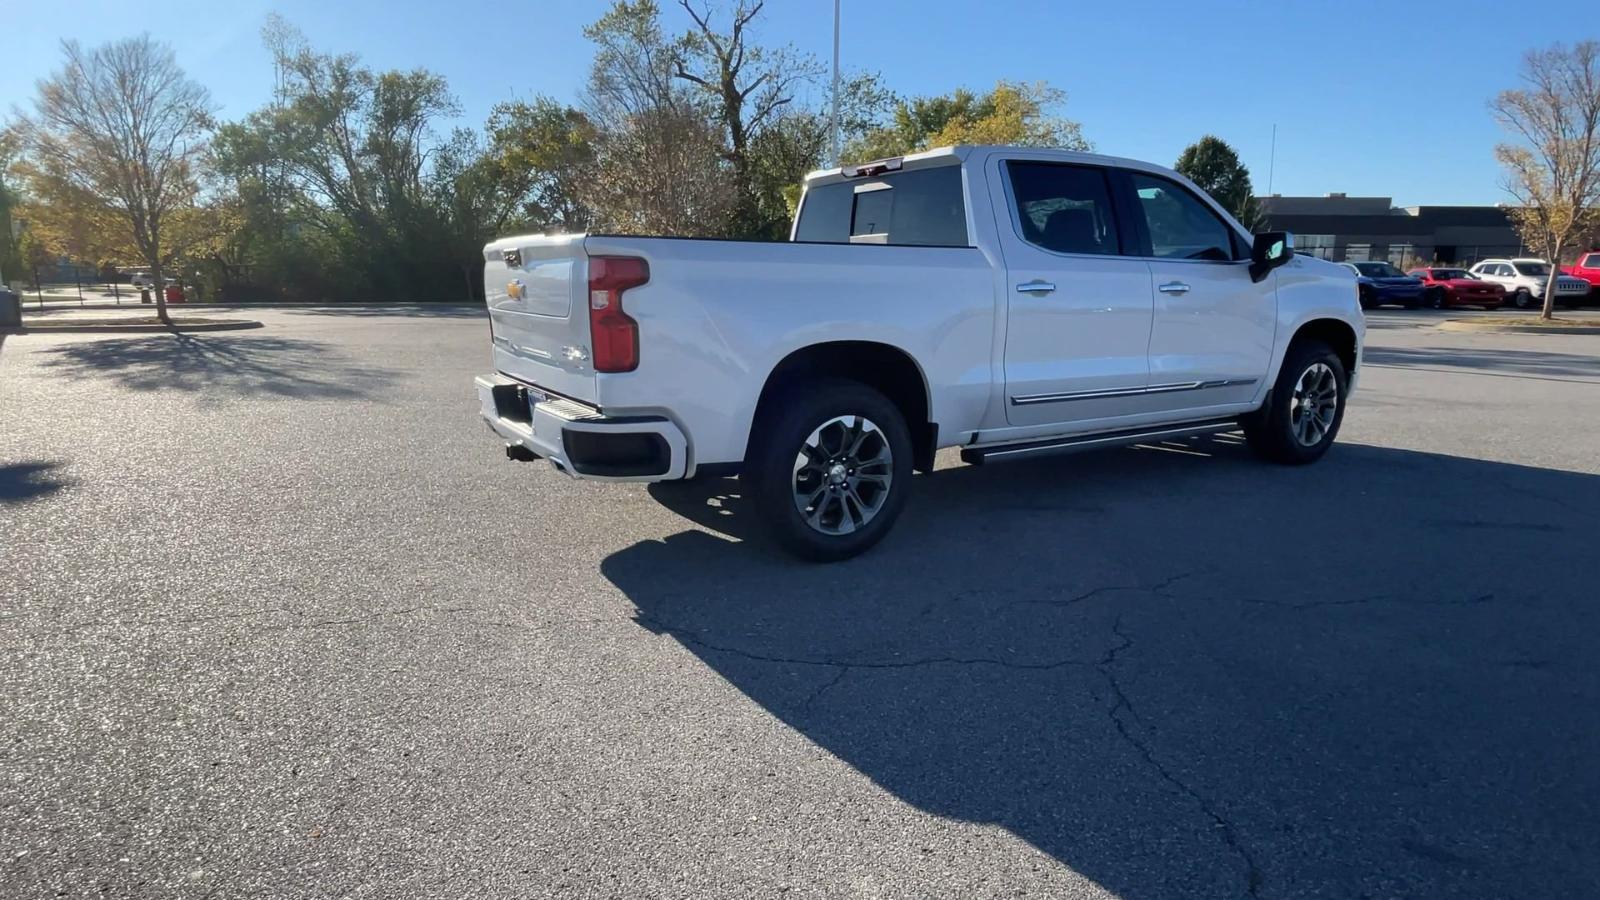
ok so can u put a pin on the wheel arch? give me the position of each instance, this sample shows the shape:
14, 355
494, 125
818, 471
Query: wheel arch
886, 368
1337, 334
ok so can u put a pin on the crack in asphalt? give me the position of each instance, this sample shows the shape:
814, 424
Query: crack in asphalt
1159, 589
1229, 834
1375, 598
826, 686
687, 636
1121, 710
691, 637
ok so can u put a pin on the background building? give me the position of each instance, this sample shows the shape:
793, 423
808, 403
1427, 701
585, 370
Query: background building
1344, 228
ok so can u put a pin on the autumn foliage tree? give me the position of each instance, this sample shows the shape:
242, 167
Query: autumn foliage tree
1553, 166
1019, 113
118, 131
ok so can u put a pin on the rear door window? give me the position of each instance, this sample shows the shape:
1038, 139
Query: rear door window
1064, 208
921, 207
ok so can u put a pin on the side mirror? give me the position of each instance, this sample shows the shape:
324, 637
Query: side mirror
1270, 250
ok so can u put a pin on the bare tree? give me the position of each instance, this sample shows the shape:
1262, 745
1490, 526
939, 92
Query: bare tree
123, 123
634, 66
1554, 172
663, 174
748, 86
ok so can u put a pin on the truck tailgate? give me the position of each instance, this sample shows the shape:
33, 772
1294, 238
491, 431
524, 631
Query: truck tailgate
537, 291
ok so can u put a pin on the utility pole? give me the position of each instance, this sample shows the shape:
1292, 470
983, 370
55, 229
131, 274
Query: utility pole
1272, 158
833, 118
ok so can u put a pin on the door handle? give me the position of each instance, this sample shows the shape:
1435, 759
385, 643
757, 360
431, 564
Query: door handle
1174, 287
1035, 287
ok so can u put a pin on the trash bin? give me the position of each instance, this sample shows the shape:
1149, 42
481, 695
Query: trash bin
10, 309
174, 294
144, 295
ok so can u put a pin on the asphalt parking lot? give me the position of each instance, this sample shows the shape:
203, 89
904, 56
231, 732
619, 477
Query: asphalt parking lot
277, 619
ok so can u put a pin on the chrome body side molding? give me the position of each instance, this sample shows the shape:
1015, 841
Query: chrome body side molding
1028, 399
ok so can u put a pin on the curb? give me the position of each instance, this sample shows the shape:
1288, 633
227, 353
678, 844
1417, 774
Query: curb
1469, 325
236, 325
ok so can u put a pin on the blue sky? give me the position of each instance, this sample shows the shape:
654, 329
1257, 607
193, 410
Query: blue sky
1369, 97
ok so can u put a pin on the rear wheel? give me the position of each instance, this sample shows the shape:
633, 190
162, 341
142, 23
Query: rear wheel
1435, 298
1305, 408
1367, 298
830, 469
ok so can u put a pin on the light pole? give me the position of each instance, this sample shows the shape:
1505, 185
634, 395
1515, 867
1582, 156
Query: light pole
833, 118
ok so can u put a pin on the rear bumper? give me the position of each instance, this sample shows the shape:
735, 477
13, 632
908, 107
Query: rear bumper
579, 440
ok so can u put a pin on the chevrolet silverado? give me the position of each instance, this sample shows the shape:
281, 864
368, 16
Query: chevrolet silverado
1006, 301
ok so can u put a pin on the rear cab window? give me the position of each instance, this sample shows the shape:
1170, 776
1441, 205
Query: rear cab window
918, 207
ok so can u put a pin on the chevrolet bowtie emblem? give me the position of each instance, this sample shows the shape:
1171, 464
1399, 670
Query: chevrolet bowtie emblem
515, 289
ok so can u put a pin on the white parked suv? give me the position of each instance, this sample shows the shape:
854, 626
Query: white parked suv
1009, 302
1525, 279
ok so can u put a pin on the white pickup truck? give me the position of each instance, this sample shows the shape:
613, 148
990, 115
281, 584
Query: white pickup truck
1007, 301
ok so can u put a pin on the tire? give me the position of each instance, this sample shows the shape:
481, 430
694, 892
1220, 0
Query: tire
1367, 299
857, 495
1275, 432
1435, 298
1521, 299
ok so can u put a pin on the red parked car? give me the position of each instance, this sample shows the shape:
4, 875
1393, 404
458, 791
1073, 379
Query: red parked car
1588, 268
1457, 287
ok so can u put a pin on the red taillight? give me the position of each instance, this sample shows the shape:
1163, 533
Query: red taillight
614, 334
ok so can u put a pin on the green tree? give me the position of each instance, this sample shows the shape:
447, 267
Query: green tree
124, 127
348, 152
524, 173
1020, 113
796, 142
1553, 171
11, 268
1215, 167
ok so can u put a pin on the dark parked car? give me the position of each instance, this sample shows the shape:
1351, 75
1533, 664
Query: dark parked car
1442, 287
1380, 284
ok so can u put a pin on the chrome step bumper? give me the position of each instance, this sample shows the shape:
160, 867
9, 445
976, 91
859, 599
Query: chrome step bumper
578, 439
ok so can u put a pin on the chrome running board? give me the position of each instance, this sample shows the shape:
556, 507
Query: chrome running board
1079, 442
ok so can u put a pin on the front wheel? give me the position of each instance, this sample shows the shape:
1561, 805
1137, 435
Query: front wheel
1522, 299
1305, 408
830, 469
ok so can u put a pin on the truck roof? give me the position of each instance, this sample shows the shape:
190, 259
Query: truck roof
961, 152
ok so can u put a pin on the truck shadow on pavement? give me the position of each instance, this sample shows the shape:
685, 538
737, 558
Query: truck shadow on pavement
225, 366
1184, 673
